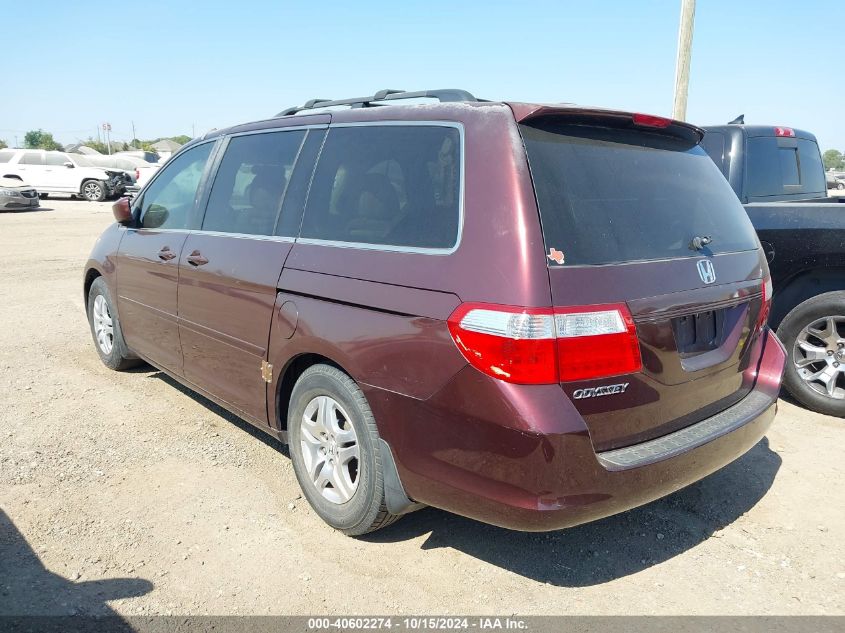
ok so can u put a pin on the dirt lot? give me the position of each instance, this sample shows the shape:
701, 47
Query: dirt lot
124, 492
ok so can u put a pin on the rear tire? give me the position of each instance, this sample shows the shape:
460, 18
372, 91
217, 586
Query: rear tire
354, 504
94, 190
105, 329
814, 348
840, 185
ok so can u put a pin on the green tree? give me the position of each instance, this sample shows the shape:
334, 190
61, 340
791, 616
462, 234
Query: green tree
39, 139
97, 145
833, 159
3, 144
181, 139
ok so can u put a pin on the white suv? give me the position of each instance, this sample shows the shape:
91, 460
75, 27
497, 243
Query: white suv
57, 172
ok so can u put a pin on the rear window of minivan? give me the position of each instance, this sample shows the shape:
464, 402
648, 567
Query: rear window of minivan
387, 185
608, 195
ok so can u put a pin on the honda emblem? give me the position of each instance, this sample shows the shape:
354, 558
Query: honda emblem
706, 271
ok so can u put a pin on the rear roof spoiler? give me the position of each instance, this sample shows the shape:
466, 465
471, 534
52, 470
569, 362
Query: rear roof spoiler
525, 112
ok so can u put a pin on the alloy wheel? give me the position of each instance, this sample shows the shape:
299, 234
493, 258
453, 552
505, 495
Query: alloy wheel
103, 327
92, 190
819, 356
330, 449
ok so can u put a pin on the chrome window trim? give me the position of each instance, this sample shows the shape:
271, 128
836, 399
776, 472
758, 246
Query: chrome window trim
393, 248
242, 236
285, 128
251, 236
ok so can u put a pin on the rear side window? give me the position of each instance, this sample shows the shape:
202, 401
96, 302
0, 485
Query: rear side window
778, 166
247, 193
31, 158
169, 199
5, 157
57, 160
391, 185
608, 195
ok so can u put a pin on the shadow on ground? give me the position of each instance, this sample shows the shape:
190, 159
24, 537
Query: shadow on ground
589, 554
611, 548
28, 588
35, 210
244, 426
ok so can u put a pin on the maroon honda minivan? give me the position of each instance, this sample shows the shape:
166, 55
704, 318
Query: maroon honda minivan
532, 315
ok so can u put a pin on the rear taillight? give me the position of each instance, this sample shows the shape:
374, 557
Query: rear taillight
784, 131
766, 306
545, 345
137, 174
596, 341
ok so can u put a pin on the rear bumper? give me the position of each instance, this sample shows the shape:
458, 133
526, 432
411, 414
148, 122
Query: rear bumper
521, 457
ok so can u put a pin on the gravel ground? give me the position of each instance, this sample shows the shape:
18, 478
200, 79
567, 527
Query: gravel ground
125, 493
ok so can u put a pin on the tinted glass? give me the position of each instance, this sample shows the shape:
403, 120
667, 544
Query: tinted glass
56, 159
783, 166
5, 157
811, 166
714, 145
250, 183
31, 158
609, 196
291, 220
788, 157
389, 185
170, 197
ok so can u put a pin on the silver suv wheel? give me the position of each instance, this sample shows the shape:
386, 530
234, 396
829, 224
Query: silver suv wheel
330, 449
819, 356
103, 328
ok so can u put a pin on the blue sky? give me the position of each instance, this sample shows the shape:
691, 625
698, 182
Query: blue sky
176, 66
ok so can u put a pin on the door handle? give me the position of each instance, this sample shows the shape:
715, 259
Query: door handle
166, 254
196, 259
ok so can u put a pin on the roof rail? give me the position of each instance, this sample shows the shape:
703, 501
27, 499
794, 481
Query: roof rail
443, 95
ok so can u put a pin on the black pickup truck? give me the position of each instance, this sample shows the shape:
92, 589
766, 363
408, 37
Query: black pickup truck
778, 174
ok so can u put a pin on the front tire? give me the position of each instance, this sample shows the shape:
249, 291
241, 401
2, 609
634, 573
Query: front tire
105, 328
814, 336
334, 446
94, 190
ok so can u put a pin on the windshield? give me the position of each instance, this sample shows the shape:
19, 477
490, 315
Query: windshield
610, 195
81, 160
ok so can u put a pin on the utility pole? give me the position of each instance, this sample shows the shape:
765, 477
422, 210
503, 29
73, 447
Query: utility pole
107, 129
682, 64
133, 131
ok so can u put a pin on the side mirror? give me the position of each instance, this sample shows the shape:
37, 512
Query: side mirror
122, 211
69, 165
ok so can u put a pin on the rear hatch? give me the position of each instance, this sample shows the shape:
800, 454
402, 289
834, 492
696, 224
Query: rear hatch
637, 218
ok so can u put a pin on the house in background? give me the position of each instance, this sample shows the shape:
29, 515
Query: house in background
164, 148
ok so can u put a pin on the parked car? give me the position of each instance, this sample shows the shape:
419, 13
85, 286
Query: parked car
833, 181
59, 172
150, 157
778, 174
452, 305
15, 195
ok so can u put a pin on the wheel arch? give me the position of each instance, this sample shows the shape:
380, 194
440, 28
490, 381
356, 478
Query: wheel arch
291, 372
90, 276
802, 286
